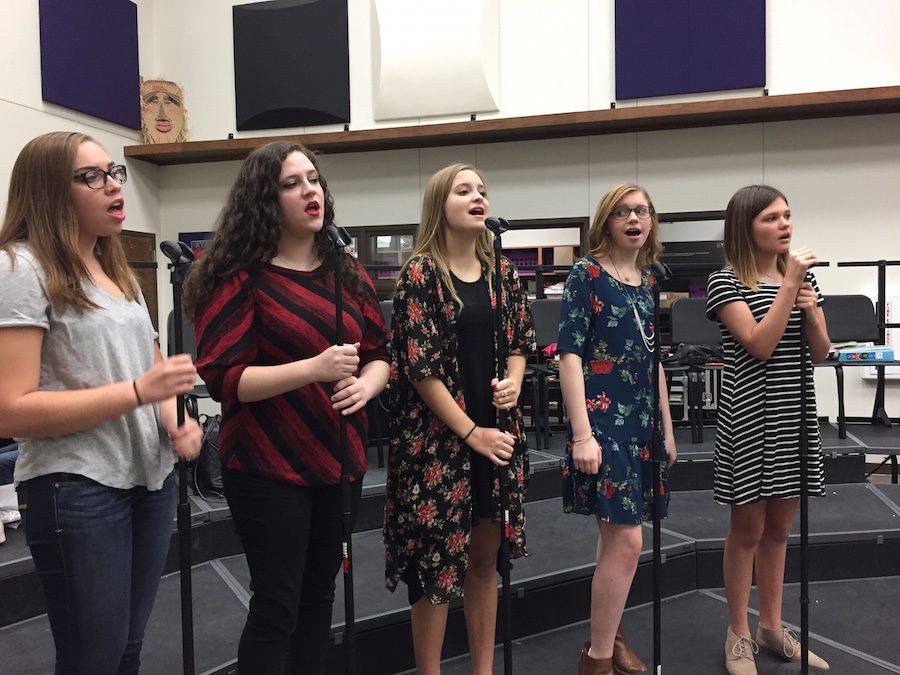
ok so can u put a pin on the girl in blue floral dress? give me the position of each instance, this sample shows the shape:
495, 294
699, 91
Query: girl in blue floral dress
606, 338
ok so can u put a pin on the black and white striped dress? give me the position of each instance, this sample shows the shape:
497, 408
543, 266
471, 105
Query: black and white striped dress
757, 437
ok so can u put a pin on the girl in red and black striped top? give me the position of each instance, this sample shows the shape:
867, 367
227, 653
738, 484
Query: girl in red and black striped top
263, 297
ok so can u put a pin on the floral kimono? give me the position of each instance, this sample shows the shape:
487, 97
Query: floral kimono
428, 511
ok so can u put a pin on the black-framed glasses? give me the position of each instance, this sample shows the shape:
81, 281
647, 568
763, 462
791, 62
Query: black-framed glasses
96, 178
623, 212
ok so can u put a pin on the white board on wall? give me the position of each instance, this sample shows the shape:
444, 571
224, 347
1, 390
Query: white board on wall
433, 57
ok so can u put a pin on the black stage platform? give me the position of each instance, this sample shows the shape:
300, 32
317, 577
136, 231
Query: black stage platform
855, 534
854, 539
847, 629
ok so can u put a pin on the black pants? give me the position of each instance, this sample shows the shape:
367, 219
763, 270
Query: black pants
292, 539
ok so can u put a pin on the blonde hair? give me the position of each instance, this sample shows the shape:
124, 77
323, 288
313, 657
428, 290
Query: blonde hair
598, 234
743, 207
431, 238
40, 212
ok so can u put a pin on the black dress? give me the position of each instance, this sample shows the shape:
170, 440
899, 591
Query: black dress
477, 367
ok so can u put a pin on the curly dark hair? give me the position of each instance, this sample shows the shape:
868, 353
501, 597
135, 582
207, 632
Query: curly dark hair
249, 227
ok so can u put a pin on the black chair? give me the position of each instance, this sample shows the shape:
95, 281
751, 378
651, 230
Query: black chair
375, 409
189, 342
387, 307
850, 318
691, 327
545, 314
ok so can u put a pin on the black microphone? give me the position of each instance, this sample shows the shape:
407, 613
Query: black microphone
177, 252
337, 235
496, 225
660, 270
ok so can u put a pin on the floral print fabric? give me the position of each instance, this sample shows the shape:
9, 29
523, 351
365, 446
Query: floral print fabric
428, 510
598, 323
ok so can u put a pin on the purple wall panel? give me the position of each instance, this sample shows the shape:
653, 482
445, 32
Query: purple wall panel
666, 47
89, 58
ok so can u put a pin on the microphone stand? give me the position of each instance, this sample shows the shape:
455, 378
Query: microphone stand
804, 506
805, 365
180, 257
661, 272
498, 226
340, 238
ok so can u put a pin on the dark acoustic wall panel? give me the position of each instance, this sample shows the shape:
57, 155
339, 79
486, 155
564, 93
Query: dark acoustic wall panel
89, 58
291, 64
666, 47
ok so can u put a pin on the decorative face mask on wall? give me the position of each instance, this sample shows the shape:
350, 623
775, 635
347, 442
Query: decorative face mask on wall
163, 117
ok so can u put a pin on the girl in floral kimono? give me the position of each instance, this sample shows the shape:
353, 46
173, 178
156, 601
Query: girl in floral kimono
441, 522
606, 336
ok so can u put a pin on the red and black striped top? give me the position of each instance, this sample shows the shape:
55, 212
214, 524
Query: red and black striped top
276, 316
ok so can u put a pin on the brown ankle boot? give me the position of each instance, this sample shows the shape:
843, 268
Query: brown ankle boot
591, 666
625, 659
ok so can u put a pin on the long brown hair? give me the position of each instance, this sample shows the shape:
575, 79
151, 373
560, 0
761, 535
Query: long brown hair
743, 207
431, 235
40, 212
598, 235
249, 227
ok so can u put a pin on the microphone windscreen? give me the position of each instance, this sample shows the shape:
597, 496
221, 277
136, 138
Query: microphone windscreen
177, 252
496, 225
660, 270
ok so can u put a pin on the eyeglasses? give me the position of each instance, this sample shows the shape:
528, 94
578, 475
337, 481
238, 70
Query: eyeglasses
96, 178
623, 212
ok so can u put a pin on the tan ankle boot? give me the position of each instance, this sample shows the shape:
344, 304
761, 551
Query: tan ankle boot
785, 644
623, 658
588, 665
739, 651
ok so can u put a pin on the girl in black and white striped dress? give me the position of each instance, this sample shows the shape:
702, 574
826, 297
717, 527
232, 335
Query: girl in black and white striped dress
758, 299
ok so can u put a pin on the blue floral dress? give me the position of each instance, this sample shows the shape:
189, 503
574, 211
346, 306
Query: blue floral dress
597, 323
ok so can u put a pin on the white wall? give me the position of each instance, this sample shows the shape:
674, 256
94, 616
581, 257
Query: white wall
554, 56
841, 174
23, 115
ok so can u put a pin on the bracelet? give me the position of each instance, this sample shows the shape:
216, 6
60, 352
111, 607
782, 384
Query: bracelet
474, 426
136, 394
575, 441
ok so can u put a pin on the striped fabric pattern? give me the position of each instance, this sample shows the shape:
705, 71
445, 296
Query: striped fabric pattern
758, 430
275, 316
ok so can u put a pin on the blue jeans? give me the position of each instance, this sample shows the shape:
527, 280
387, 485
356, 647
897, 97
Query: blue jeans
99, 552
8, 456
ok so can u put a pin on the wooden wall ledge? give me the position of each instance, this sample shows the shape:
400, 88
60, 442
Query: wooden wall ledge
847, 102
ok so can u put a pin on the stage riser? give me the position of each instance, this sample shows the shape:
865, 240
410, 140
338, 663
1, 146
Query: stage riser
841, 560
387, 649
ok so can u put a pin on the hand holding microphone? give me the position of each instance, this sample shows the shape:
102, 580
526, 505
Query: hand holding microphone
172, 376
336, 363
799, 261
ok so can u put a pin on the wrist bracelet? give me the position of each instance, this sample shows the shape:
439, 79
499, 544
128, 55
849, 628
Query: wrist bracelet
582, 440
136, 394
474, 427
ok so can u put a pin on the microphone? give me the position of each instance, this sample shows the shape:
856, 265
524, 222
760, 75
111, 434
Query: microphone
337, 235
177, 252
660, 270
496, 225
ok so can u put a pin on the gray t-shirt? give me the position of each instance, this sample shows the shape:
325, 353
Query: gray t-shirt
80, 351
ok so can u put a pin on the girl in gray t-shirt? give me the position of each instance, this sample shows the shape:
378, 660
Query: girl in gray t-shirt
91, 401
